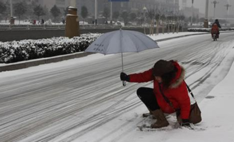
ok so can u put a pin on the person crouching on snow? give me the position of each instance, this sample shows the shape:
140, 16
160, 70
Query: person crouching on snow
168, 80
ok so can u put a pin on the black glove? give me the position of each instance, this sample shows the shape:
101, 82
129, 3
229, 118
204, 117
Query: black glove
124, 77
185, 123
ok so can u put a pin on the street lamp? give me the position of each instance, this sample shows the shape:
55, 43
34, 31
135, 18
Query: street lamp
12, 20
192, 13
95, 21
206, 15
227, 6
144, 10
215, 3
111, 9
11, 8
174, 15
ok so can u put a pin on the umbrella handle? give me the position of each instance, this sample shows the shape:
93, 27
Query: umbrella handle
124, 83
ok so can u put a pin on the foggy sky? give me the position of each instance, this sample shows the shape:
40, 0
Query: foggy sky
220, 8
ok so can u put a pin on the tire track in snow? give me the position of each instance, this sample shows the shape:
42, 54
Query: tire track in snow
206, 65
87, 88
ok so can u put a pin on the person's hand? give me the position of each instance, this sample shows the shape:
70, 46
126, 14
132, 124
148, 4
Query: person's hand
124, 77
185, 123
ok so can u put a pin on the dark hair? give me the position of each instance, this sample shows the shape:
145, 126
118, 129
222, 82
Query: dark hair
168, 77
162, 66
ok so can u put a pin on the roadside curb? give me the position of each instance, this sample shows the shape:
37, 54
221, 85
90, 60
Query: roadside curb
36, 62
25, 64
158, 40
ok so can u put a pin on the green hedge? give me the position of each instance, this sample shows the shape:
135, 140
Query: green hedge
15, 51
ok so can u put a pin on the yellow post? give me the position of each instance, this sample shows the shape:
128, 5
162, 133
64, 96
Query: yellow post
206, 23
72, 23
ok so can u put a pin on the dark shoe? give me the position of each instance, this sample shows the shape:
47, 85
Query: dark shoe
146, 114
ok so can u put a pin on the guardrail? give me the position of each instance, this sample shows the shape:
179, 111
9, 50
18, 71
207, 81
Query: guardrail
7, 27
31, 27
54, 27
20, 33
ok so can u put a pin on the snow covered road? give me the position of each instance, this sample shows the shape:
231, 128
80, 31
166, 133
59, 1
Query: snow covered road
84, 100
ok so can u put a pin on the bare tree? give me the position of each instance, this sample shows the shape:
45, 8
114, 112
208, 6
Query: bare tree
84, 12
3, 7
151, 15
133, 16
20, 9
38, 11
125, 15
116, 15
55, 11
106, 12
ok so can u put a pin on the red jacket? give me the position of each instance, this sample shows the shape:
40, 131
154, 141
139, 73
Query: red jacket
177, 93
215, 28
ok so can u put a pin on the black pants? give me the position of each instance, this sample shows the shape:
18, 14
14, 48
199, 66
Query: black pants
147, 96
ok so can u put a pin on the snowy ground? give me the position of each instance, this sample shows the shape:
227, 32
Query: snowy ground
82, 100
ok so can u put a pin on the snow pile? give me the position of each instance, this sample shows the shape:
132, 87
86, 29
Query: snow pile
32, 49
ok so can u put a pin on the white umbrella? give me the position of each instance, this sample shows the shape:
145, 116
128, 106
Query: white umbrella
121, 41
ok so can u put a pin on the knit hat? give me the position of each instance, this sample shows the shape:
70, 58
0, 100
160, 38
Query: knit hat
162, 66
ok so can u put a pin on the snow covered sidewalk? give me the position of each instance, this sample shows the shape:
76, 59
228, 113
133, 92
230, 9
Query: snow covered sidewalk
217, 112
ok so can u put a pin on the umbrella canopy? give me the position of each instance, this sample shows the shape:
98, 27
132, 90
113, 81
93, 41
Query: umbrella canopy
121, 41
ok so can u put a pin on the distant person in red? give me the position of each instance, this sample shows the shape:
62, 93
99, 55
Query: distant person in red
215, 28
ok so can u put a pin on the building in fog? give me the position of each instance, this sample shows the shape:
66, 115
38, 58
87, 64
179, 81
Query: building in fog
191, 12
61, 4
167, 7
183, 4
133, 6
